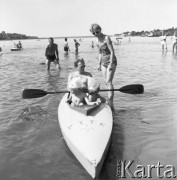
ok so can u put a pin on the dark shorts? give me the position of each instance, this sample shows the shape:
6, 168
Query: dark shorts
66, 48
51, 57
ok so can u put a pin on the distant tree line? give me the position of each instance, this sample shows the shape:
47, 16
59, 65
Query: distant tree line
9, 36
154, 33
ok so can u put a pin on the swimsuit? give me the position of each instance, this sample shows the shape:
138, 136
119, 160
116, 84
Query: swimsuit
163, 40
105, 52
51, 57
65, 48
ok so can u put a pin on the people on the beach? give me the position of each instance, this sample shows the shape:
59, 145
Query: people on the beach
86, 84
163, 41
66, 47
18, 45
107, 59
52, 54
76, 46
174, 42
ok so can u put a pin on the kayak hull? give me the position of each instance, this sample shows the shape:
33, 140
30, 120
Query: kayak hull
16, 49
87, 135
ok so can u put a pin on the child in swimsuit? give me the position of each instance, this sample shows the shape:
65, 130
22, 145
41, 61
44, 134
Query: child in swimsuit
93, 89
77, 96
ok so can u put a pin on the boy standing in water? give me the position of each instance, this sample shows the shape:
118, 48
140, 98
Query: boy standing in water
51, 54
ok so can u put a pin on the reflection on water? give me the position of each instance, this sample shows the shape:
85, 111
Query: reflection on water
31, 143
164, 54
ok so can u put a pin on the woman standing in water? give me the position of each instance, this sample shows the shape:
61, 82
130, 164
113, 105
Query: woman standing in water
107, 59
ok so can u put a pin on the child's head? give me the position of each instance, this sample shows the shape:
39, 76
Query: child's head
79, 64
93, 85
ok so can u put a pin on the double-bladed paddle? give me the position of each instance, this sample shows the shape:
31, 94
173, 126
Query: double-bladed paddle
36, 93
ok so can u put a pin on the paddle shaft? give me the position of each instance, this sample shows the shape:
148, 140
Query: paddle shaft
57, 92
103, 90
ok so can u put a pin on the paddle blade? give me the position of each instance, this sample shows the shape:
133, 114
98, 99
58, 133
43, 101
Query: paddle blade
33, 93
132, 89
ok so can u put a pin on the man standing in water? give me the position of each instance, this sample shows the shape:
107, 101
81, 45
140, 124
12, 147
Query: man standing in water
51, 54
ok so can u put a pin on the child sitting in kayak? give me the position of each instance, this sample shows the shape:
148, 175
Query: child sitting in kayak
77, 96
93, 88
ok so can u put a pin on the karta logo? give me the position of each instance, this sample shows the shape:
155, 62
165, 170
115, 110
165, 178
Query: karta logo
141, 171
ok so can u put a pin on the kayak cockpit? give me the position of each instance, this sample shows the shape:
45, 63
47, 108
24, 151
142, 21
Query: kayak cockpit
84, 109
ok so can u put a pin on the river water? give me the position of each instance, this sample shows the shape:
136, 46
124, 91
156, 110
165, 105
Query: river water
145, 125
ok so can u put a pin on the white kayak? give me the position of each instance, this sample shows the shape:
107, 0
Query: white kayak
16, 49
87, 132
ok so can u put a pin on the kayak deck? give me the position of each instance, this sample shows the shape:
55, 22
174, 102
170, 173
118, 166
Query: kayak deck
85, 109
88, 137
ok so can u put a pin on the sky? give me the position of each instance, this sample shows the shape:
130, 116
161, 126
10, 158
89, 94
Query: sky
58, 18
